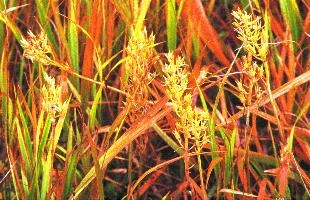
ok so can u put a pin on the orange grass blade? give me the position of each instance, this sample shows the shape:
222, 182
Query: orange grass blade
245, 195
94, 32
211, 166
193, 10
149, 182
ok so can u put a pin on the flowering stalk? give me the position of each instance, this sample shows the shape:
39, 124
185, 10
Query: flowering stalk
191, 121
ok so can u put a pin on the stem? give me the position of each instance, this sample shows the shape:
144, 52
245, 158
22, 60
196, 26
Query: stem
273, 103
202, 185
186, 159
67, 69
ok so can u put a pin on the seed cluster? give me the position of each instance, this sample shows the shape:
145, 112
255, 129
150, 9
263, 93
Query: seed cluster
255, 42
191, 121
51, 98
140, 54
36, 48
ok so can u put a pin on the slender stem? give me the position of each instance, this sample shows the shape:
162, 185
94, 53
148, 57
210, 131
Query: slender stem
67, 69
202, 185
248, 134
186, 158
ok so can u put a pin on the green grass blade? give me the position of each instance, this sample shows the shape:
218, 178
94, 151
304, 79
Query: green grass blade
16, 32
291, 137
168, 140
180, 9
144, 6
93, 110
292, 17
23, 149
227, 158
45, 134
26, 131
25, 183
71, 165
73, 43
46, 165
60, 122
171, 25
38, 134
42, 8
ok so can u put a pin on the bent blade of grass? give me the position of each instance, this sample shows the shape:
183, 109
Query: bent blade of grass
235, 192
117, 124
291, 136
157, 167
135, 131
168, 140
115, 66
74, 91
211, 166
171, 25
16, 32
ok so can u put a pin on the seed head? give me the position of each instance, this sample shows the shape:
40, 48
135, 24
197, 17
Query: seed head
51, 98
251, 33
36, 48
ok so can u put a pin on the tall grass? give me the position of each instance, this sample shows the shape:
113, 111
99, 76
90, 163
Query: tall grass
109, 99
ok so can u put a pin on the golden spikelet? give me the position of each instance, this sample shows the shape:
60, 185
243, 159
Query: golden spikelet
255, 42
191, 121
140, 55
52, 98
251, 33
36, 48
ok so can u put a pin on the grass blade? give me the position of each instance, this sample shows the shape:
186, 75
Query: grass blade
171, 25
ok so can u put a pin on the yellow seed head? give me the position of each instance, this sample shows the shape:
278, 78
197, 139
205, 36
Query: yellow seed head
140, 55
51, 98
251, 33
36, 48
191, 122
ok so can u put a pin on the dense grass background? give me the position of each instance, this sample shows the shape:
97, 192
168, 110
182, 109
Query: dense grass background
101, 146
